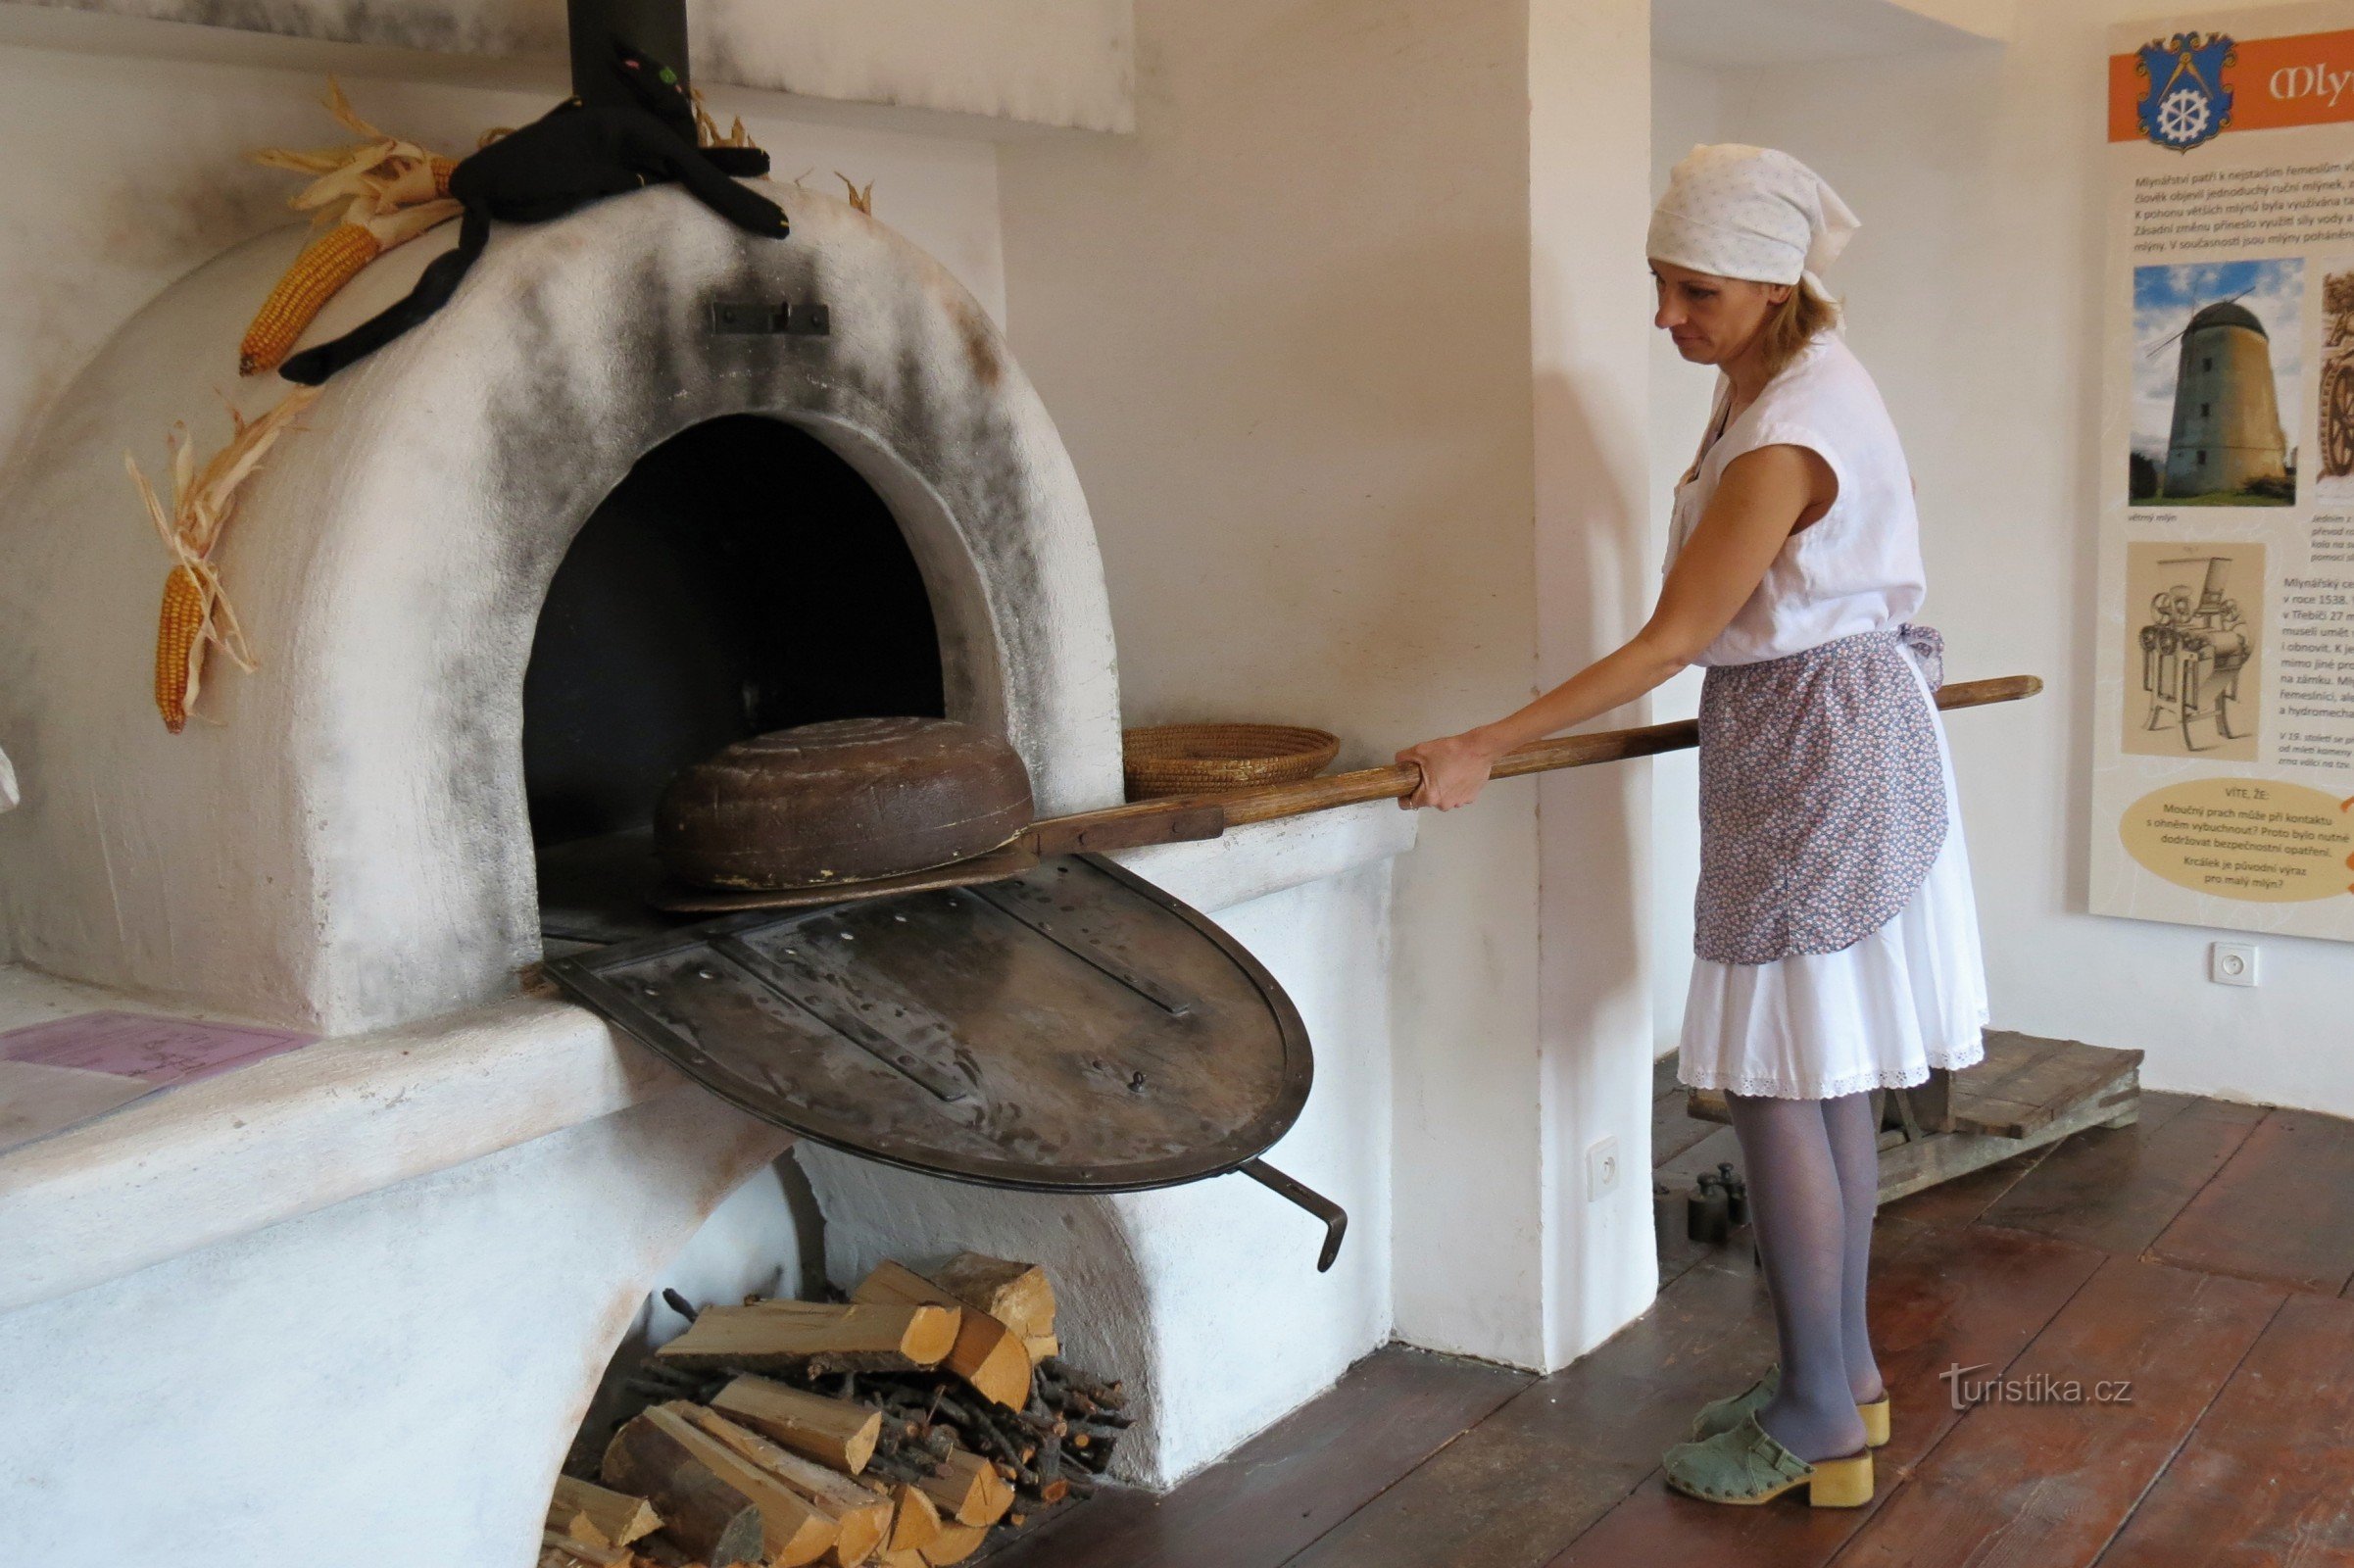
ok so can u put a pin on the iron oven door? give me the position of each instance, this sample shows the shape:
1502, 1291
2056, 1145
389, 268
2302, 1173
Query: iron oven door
1069, 1029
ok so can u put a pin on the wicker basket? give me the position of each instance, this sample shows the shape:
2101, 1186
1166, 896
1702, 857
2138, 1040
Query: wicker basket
1188, 758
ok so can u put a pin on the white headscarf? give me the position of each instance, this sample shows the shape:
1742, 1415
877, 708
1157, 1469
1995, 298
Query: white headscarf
1749, 212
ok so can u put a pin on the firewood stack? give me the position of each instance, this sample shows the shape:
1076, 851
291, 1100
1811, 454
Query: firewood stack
895, 1428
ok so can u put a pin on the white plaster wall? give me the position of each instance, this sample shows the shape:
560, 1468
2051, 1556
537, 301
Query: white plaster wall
1973, 290
1686, 105
389, 1382
130, 173
1741, 33
1290, 336
1286, 331
1044, 61
1589, 207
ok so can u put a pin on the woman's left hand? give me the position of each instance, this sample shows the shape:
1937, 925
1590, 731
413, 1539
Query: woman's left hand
1455, 769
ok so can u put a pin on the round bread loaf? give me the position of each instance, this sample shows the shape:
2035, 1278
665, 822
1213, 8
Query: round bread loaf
843, 800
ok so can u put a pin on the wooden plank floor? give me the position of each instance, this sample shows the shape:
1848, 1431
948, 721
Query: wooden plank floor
2203, 1258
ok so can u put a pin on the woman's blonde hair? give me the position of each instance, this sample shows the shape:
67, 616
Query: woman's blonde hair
1792, 324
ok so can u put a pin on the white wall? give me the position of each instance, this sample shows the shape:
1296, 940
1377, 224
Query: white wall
126, 173
1301, 335
1285, 333
1589, 202
1048, 61
1686, 108
1973, 294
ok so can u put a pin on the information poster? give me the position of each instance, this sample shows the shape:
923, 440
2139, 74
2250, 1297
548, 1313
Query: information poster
2223, 746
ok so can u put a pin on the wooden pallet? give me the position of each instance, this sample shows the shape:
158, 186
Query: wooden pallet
2027, 1092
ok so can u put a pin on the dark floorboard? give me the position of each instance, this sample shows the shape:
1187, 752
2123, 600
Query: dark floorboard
2280, 1208
2202, 1256
1282, 1489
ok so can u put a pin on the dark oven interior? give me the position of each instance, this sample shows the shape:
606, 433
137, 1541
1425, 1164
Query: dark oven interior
743, 579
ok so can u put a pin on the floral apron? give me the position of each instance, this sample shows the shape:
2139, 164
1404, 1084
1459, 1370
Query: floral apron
1822, 796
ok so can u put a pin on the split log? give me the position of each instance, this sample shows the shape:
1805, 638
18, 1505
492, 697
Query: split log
914, 1522
793, 1530
971, 1492
956, 1544
661, 1551
616, 1518
1042, 1346
703, 1513
988, 1354
1017, 1294
910, 1558
860, 1518
832, 1432
804, 1336
567, 1549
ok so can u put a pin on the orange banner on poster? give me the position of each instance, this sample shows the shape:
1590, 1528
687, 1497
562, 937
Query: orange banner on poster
2274, 82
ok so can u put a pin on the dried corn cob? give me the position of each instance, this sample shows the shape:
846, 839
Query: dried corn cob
325, 265
195, 614
176, 644
367, 197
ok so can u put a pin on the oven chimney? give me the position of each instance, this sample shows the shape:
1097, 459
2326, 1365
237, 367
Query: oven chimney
656, 27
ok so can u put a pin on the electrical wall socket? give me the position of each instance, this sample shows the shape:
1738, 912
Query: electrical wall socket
2232, 963
1602, 1167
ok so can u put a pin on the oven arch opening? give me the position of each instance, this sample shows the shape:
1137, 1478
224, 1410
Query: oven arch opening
742, 578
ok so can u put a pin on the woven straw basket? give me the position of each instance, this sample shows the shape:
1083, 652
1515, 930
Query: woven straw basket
1188, 758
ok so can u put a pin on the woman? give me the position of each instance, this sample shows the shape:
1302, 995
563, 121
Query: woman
1836, 938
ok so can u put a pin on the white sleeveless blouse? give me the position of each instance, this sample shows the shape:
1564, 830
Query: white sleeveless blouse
1912, 994
1857, 567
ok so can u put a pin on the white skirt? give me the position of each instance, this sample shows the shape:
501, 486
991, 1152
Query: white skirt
1879, 1015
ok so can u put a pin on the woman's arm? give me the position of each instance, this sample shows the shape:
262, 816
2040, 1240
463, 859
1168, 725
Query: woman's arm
1761, 497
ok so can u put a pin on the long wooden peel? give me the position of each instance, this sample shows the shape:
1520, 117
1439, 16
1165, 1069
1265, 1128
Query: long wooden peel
1173, 818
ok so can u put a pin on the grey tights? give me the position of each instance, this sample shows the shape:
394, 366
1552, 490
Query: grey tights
1813, 1170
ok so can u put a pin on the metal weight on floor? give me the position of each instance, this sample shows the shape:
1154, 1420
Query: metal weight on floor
1737, 1194
1708, 1214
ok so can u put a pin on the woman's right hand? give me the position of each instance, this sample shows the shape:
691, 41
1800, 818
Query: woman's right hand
1455, 769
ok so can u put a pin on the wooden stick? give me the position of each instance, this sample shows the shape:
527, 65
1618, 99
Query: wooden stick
955, 1542
1187, 816
793, 1531
916, 1522
831, 1431
971, 1492
704, 1512
1017, 1294
574, 1549
780, 1335
616, 1517
861, 1518
987, 1355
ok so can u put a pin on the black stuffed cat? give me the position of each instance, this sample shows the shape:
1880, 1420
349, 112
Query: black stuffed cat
569, 157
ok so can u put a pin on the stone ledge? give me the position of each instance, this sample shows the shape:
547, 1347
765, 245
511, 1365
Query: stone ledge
200, 1165
1262, 857
197, 1166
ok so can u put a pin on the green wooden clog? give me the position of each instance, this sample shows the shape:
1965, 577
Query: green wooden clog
1746, 1464
1718, 1415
